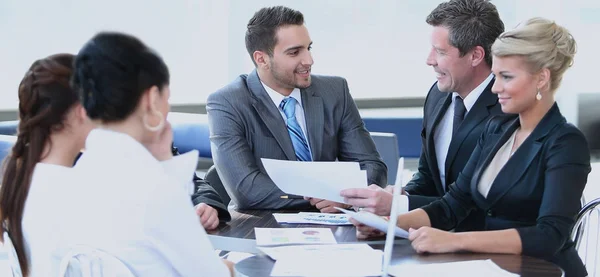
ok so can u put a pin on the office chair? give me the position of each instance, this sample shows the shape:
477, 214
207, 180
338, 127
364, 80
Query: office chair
586, 225
212, 177
9, 127
86, 261
387, 146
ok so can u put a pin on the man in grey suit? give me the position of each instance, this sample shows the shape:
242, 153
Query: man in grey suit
281, 111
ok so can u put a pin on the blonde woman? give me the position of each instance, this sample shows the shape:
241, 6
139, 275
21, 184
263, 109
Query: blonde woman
527, 172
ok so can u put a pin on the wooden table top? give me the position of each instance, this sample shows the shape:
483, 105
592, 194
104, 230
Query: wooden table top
243, 223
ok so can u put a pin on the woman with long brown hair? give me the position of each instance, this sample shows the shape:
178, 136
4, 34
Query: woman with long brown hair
52, 130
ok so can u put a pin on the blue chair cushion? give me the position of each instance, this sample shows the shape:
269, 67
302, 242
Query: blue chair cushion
190, 131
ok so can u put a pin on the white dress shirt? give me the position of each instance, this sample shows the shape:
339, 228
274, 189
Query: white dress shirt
121, 200
442, 135
299, 111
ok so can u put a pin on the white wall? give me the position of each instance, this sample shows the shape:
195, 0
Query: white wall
380, 46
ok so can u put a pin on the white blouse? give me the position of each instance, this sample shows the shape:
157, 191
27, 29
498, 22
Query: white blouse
497, 163
121, 200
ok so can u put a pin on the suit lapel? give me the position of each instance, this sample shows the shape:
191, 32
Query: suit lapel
270, 115
500, 139
516, 165
313, 113
438, 114
479, 112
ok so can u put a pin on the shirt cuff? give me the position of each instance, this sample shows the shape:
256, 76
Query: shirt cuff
402, 204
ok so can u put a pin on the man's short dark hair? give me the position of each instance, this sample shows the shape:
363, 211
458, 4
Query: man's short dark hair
262, 28
470, 23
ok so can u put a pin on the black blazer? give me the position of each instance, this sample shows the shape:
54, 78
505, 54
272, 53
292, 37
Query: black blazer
537, 192
426, 186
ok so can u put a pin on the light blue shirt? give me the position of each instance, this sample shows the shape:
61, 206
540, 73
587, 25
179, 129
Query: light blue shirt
277, 98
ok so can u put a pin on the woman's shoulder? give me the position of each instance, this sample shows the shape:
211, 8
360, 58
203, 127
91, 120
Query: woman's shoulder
52, 173
500, 122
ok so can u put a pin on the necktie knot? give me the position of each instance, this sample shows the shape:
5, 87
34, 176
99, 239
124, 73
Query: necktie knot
288, 105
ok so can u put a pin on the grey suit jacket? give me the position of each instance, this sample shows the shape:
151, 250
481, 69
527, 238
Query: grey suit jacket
245, 126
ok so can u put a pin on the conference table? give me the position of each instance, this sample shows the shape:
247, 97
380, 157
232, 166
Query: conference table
238, 235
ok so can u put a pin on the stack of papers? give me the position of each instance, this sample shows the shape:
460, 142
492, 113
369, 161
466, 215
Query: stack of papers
324, 180
283, 252
316, 253
475, 268
283, 236
312, 218
325, 260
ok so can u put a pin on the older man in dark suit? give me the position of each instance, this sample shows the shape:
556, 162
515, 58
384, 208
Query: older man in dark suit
457, 106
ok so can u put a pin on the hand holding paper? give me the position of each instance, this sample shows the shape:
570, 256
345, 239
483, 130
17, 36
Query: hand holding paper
323, 180
374, 221
326, 206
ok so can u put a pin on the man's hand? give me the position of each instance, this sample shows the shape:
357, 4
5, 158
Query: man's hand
326, 206
372, 199
209, 217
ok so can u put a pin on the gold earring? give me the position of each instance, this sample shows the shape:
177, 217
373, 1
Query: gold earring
538, 96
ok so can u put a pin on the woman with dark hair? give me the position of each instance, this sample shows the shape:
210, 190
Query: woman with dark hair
51, 132
133, 197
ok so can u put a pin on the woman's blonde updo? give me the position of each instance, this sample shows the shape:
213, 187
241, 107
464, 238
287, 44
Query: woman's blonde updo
543, 44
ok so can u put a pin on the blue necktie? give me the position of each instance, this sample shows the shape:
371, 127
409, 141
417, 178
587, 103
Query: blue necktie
288, 105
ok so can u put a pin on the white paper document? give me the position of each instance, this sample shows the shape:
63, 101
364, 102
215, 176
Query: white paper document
293, 251
485, 268
374, 221
312, 218
331, 260
324, 180
282, 236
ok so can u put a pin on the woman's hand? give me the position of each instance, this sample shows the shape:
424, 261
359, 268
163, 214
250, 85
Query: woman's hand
364, 231
160, 147
431, 240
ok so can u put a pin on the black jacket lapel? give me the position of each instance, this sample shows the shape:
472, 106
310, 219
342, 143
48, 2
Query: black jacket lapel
478, 113
438, 114
516, 166
313, 114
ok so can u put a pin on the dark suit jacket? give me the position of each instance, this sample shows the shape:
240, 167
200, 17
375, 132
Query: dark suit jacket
426, 185
245, 126
537, 192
